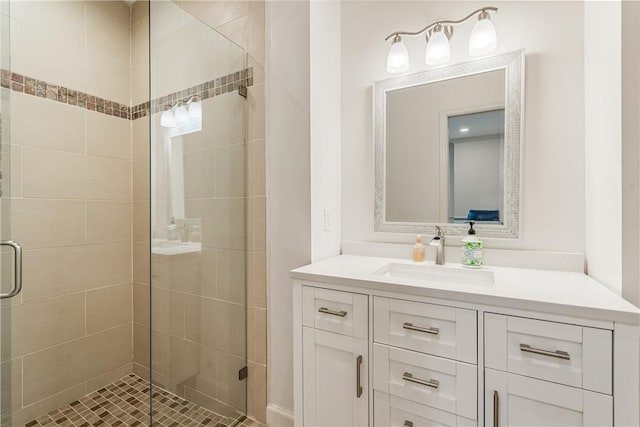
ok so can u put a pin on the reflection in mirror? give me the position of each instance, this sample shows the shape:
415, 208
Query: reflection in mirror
447, 146
420, 183
476, 172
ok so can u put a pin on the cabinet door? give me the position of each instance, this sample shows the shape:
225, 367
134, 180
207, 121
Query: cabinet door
335, 379
513, 400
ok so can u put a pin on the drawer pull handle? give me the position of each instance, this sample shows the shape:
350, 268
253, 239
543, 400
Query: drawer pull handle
408, 423
409, 326
496, 409
325, 310
557, 354
429, 383
358, 376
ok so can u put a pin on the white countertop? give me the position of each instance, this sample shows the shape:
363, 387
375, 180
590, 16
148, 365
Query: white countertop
169, 248
558, 292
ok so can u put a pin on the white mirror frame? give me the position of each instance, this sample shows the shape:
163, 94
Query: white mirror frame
513, 64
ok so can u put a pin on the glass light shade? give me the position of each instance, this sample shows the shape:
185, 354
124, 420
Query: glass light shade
398, 57
195, 110
438, 50
167, 119
483, 38
182, 115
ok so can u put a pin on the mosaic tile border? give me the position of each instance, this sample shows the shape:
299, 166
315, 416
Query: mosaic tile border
125, 403
209, 89
47, 90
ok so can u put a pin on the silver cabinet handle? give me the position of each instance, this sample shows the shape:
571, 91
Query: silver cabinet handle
358, 376
408, 423
325, 310
496, 409
409, 326
429, 383
17, 263
558, 354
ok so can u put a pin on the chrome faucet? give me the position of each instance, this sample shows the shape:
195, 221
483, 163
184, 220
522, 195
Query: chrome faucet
438, 241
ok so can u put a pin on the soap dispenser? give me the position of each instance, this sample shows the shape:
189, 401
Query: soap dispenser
471, 249
418, 250
173, 233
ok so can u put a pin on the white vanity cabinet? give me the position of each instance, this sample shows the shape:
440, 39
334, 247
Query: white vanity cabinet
546, 373
335, 370
384, 354
335, 358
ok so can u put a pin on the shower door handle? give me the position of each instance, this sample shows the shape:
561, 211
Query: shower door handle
17, 263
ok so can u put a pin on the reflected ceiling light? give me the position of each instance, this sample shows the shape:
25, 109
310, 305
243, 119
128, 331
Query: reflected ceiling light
464, 130
398, 57
483, 40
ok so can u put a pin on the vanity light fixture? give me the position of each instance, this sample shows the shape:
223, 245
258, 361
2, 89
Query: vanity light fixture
182, 113
483, 40
398, 58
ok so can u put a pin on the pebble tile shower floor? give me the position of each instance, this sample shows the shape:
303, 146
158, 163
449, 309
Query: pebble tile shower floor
125, 403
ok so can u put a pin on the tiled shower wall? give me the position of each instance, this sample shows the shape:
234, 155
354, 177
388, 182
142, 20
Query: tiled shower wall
71, 207
81, 202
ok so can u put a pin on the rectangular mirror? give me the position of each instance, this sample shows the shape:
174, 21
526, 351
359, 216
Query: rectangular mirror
448, 148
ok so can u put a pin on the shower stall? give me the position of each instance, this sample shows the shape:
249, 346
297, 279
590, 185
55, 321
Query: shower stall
123, 216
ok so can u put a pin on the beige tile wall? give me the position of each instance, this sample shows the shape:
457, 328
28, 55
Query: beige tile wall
81, 187
71, 327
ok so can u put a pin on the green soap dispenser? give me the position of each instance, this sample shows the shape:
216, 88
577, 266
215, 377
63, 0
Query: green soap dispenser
471, 249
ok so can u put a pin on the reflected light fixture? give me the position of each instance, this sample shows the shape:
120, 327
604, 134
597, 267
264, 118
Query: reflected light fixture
182, 113
483, 40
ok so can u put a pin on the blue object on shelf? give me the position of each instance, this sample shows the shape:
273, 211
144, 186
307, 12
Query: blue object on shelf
483, 215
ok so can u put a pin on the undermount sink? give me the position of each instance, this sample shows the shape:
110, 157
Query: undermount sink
437, 274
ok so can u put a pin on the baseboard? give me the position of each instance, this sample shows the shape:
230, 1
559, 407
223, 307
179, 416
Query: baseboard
279, 417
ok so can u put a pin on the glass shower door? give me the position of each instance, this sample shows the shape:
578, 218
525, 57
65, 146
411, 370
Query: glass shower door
10, 283
198, 203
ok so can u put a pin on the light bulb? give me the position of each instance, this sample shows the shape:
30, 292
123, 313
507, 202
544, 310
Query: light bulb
195, 110
182, 115
398, 57
438, 50
167, 119
483, 38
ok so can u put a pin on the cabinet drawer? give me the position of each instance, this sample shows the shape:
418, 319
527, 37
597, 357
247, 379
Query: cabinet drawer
567, 354
344, 313
428, 328
392, 411
433, 381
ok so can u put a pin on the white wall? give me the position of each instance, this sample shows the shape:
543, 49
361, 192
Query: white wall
477, 174
603, 167
631, 152
325, 128
553, 170
288, 209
